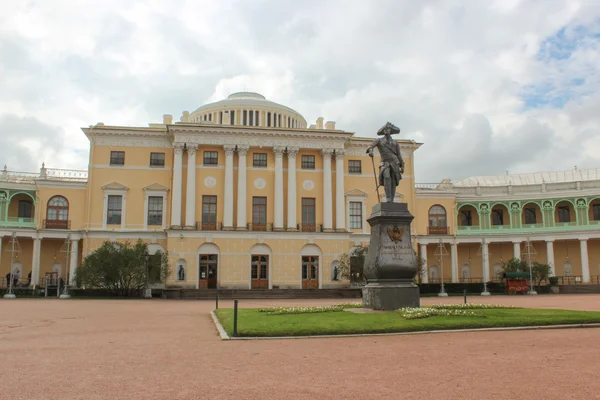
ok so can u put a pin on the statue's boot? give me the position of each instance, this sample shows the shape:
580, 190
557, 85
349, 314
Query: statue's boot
389, 190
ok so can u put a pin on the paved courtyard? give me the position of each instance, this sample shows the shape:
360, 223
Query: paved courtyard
158, 349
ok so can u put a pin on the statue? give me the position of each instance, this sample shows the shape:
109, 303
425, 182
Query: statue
181, 273
391, 166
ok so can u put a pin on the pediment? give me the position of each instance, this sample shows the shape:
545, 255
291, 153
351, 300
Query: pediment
115, 186
156, 188
356, 192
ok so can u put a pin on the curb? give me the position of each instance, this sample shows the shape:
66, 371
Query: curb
225, 336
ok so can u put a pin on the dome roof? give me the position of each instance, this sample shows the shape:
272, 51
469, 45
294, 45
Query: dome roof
249, 101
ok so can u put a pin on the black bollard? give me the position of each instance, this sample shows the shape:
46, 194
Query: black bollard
235, 317
217, 301
465, 292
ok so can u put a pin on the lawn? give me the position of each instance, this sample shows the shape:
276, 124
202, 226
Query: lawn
251, 322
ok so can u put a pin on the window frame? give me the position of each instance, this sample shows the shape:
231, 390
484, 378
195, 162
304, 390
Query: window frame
530, 212
115, 210
500, 213
466, 215
595, 212
29, 203
437, 217
308, 161
306, 207
212, 207
357, 205
261, 208
155, 162
259, 162
562, 210
207, 156
352, 167
115, 155
158, 213
57, 209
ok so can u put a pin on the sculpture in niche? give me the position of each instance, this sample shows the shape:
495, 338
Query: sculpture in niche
181, 273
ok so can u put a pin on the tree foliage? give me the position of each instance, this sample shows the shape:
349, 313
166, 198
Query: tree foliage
121, 268
539, 271
421, 270
351, 266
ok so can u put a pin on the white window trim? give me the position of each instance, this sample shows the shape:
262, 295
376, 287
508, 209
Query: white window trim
357, 199
115, 192
155, 193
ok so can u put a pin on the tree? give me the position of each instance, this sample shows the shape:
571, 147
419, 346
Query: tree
351, 266
540, 272
421, 270
122, 269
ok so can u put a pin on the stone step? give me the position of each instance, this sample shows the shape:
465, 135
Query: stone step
579, 289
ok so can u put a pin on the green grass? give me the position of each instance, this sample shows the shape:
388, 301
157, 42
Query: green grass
251, 322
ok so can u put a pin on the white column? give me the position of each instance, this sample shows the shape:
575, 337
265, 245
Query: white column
228, 200
550, 253
73, 261
424, 274
177, 187
454, 256
278, 151
241, 194
340, 214
585, 261
327, 197
35, 262
291, 219
485, 255
190, 198
517, 250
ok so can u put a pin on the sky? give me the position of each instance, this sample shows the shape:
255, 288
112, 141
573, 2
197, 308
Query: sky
486, 86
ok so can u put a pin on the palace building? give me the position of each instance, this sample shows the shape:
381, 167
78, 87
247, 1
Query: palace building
243, 193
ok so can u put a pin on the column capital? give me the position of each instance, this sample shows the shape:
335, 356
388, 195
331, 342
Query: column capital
550, 240
292, 152
242, 150
518, 241
229, 149
584, 239
278, 151
178, 148
339, 154
191, 149
326, 153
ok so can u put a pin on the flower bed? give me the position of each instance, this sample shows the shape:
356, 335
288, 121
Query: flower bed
308, 310
468, 306
416, 313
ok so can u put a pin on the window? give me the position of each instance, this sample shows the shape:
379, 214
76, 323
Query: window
308, 214
155, 210
245, 117
211, 158
497, 217
58, 209
232, 117
259, 267
259, 212
563, 214
259, 160
530, 217
354, 167
279, 120
437, 217
268, 119
465, 218
308, 162
157, 159
596, 212
310, 266
114, 211
25, 208
251, 119
355, 215
220, 117
209, 211
117, 158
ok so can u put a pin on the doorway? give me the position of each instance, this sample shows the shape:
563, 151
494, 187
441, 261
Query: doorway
208, 272
310, 272
260, 272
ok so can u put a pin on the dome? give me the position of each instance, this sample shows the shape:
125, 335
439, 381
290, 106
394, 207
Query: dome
248, 109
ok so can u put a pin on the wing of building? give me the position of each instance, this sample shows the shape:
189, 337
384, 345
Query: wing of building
243, 193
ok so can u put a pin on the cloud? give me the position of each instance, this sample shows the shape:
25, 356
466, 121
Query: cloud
487, 86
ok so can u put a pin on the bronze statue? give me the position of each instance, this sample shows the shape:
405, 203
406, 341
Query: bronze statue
391, 166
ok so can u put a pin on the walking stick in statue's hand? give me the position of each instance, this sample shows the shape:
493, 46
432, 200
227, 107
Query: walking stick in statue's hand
375, 176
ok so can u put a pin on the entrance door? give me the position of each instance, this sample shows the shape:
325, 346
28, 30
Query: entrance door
260, 272
208, 271
310, 272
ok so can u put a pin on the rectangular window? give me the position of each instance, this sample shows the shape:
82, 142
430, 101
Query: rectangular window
354, 167
155, 210
220, 117
25, 208
279, 120
596, 212
268, 119
497, 216
259, 267
563, 214
209, 210
157, 159
114, 211
308, 162
310, 266
211, 158
355, 215
259, 212
245, 117
117, 158
231, 117
308, 213
251, 119
256, 118
259, 160
466, 219
530, 217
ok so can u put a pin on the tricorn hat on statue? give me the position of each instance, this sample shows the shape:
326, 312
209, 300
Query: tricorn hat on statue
394, 129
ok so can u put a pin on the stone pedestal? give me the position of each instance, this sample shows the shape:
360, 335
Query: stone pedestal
391, 262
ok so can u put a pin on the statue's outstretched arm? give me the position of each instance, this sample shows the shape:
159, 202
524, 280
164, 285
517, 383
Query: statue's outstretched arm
370, 148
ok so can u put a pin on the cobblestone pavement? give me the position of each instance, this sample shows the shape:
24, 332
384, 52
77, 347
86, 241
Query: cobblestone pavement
167, 349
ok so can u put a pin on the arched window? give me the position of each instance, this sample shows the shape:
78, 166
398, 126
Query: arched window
437, 220
57, 215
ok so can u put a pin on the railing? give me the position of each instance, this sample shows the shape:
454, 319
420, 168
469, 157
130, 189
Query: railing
437, 230
57, 224
310, 228
595, 279
17, 222
209, 226
18, 177
17, 283
64, 174
260, 227
470, 280
570, 280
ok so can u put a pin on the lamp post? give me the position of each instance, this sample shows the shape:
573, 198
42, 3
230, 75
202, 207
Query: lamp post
14, 248
66, 248
529, 251
441, 252
147, 290
484, 251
